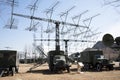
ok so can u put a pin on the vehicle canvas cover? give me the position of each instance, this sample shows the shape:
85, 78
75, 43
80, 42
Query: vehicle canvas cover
8, 58
88, 56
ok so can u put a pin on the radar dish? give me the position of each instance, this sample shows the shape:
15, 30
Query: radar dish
108, 40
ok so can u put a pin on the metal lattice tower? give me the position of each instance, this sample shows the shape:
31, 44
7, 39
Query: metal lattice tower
57, 23
77, 32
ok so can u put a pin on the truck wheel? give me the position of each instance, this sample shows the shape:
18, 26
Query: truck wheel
51, 68
86, 67
1, 73
111, 67
16, 69
13, 71
68, 69
98, 67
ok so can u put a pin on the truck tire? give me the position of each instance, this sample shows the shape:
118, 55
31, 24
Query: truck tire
68, 69
1, 73
51, 68
98, 67
86, 67
13, 71
111, 67
16, 69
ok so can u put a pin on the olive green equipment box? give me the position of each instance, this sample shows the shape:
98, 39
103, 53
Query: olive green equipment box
9, 62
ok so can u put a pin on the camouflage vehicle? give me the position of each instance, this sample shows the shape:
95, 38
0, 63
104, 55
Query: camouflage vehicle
58, 61
94, 59
9, 62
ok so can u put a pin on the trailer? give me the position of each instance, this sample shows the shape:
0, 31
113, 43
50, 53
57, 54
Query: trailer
9, 62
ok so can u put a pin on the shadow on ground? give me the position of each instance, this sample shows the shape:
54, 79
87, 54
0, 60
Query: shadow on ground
48, 72
73, 70
43, 71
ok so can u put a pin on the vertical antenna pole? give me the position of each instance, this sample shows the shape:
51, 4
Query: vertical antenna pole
66, 47
57, 37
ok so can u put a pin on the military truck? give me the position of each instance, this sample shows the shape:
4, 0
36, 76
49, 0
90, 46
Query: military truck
94, 59
58, 61
9, 62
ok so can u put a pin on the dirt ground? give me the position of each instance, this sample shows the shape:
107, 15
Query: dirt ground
42, 73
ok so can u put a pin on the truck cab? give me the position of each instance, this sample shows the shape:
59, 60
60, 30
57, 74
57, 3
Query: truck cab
99, 59
103, 62
57, 61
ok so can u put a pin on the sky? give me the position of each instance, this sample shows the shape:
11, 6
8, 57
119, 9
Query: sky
17, 39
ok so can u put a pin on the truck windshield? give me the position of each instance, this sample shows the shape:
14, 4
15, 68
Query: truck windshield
99, 56
59, 57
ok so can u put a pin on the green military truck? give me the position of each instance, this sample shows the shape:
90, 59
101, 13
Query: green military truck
94, 59
57, 61
9, 62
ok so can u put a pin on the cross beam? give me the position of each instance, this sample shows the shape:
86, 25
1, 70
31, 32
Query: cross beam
66, 42
49, 20
56, 22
